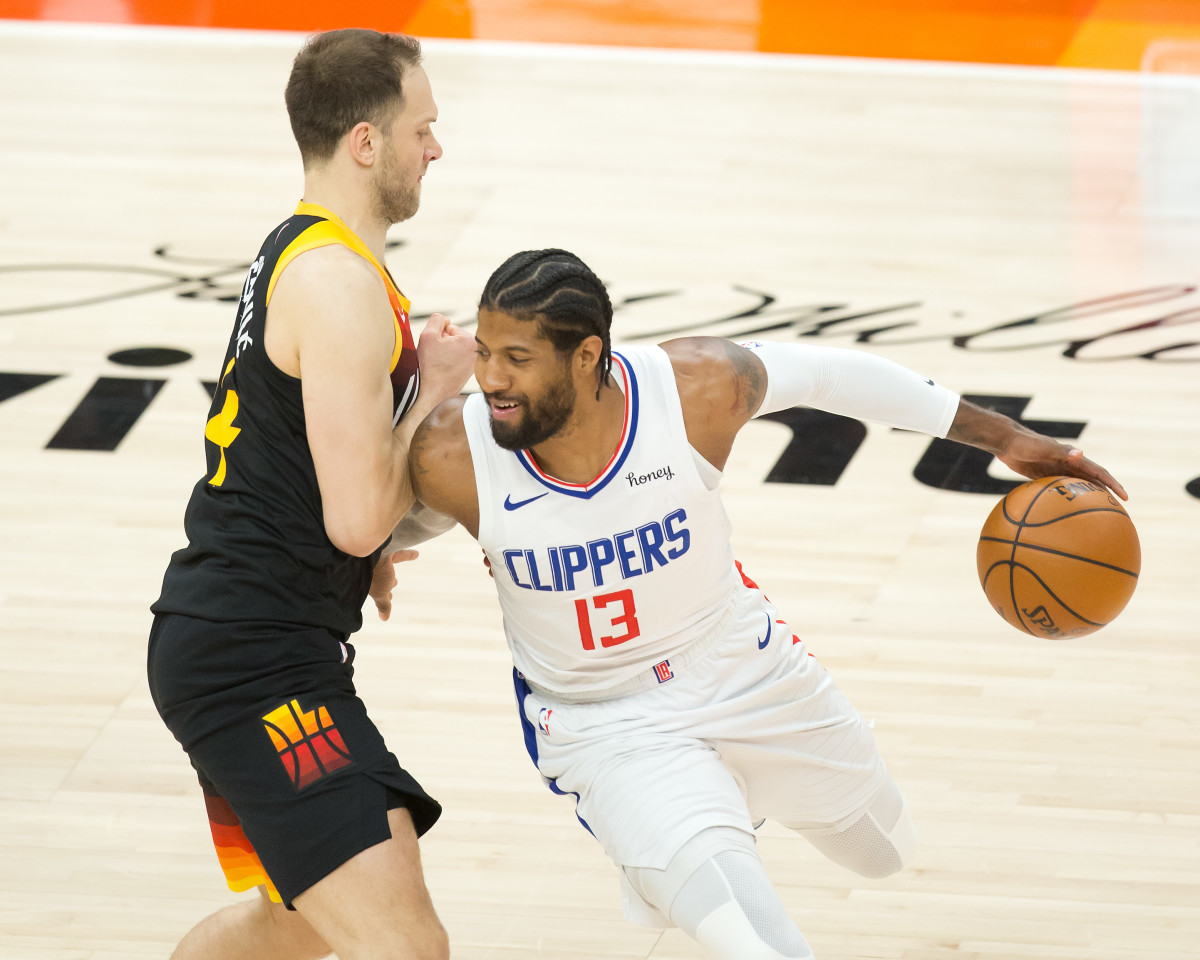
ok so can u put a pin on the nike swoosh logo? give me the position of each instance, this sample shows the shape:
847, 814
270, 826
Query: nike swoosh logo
509, 505
762, 644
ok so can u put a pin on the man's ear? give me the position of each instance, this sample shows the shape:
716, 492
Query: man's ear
363, 143
588, 354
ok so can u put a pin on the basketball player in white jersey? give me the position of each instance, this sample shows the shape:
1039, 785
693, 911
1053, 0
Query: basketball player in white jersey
656, 683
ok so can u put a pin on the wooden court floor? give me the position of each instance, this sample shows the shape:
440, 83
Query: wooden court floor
1029, 236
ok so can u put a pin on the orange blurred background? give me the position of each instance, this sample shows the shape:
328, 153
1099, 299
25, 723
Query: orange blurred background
1113, 34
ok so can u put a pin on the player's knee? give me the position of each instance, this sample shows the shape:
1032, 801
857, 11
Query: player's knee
429, 942
891, 853
426, 940
729, 934
880, 843
904, 840
718, 893
879, 869
438, 947
292, 932
872, 851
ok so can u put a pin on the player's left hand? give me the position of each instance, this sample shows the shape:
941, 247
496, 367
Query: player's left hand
383, 581
1034, 455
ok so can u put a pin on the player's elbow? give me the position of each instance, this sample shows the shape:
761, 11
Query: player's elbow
356, 534
880, 869
359, 512
355, 546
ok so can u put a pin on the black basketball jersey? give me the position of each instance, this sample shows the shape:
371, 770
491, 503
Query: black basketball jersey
257, 547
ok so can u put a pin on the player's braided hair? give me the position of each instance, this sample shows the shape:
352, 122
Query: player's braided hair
341, 78
561, 293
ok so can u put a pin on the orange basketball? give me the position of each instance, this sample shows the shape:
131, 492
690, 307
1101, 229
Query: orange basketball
1059, 557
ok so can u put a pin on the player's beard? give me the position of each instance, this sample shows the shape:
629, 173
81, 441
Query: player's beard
541, 420
395, 200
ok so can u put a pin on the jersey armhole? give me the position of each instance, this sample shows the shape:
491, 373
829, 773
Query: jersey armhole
707, 475
710, 476
477, 446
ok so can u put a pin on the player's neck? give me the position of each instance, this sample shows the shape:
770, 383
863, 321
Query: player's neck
583, 447
352, 205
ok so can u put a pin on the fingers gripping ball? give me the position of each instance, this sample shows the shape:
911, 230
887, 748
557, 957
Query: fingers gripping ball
1058, 557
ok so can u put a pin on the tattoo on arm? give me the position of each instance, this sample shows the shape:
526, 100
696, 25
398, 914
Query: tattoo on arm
749, 380
417, 451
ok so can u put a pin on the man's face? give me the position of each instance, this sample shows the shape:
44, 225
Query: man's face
409, 146
526, 382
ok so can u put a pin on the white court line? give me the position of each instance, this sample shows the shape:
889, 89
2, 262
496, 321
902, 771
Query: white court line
806, 63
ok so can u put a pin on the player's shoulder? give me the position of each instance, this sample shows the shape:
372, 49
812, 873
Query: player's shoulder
331, 291
707, 363
446, 419
442, 435
439, 458
715, 377
330, 270
699, 355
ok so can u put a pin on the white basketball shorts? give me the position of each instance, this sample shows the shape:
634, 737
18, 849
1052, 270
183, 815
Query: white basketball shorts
753, 728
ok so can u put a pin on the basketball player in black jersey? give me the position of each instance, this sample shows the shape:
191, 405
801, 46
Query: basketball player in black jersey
307, 440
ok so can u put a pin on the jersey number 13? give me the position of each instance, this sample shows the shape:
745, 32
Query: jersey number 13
626, 617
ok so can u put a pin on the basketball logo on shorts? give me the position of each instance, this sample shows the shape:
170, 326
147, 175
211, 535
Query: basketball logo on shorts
309, 744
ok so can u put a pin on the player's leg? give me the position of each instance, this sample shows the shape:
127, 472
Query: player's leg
670, 815
302, 794
716, 890
877, 842
342, 850
823, 777
376, 905
253, 930
808, 760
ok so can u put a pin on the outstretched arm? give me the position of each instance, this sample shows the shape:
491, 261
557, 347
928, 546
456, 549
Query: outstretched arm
723, 385
1022, 450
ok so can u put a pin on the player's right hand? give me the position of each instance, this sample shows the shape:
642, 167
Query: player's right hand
383, 580
446, 354
1034, 455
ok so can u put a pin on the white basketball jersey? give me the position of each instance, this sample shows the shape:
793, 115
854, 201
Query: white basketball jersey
601, 584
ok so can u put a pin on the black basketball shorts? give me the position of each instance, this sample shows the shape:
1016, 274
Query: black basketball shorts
296, 777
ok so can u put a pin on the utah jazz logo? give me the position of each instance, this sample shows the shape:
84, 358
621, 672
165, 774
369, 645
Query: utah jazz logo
309, 744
